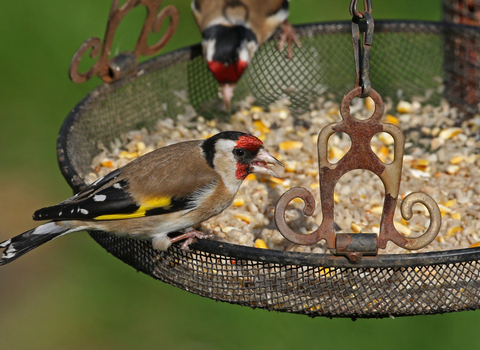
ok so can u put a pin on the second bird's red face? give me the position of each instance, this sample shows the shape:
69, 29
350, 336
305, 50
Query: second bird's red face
227, 73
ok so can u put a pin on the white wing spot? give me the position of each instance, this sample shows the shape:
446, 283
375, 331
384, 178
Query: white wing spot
100, 197
84, 211
9, 253
60, 214
117, 185
6, 243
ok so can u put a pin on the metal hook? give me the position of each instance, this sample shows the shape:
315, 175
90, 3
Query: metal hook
367, 5
361, 51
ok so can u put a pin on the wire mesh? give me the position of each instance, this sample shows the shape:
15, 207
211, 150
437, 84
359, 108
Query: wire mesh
462, 12
464, 53
412, 59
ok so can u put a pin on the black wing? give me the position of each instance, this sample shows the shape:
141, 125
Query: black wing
113, 203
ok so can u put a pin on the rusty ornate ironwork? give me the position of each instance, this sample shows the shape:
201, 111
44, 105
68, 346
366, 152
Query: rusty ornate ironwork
110, 70
360, 156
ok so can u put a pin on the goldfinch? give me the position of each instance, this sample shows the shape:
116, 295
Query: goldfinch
232, 31
164, 191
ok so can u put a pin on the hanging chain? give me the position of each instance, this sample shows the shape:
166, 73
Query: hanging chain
361, 50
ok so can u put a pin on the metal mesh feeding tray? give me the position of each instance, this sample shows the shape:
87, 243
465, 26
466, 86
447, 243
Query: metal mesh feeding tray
413, 56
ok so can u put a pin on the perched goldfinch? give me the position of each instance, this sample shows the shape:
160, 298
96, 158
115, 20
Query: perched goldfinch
232, 31
164, 191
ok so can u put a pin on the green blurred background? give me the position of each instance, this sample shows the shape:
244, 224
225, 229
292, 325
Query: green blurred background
70, 293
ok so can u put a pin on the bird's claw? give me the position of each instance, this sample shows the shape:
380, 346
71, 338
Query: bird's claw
189, 238
288, 36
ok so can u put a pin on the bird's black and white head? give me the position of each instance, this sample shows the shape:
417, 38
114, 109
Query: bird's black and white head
235, 155
228, 44
228, 49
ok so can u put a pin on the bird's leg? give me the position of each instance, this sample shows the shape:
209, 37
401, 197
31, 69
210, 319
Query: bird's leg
288, 35
189, 236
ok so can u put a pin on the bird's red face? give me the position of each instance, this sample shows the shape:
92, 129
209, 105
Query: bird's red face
227, 74
253, 158
249, 142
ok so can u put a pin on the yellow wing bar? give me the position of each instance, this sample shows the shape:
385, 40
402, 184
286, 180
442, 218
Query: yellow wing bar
159, 202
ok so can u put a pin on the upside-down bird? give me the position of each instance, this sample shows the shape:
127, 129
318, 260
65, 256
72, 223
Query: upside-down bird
167, 190
232, 31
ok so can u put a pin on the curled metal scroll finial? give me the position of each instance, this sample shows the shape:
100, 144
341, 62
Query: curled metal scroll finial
110, 70
360, 156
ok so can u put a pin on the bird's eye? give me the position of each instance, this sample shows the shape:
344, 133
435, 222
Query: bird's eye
239, 152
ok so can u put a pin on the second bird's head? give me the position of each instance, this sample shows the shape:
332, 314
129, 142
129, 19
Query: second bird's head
228, 51
228, 45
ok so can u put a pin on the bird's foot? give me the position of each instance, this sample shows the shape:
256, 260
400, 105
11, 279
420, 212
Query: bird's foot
189, 237
288, 36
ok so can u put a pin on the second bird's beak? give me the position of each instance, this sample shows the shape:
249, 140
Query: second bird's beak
263, 162
227, 93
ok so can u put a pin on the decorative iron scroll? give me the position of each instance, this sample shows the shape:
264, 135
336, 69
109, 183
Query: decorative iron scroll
110, 70
360, 156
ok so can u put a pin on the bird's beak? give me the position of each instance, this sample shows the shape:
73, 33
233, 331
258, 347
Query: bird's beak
263, 162
227, 93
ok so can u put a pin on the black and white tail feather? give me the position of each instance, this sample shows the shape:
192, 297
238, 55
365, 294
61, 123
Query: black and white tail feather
25, 242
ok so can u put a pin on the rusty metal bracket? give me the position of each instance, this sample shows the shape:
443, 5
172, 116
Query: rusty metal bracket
110, 70
360, 156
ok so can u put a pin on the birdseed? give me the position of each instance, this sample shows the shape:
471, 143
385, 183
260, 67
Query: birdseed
440, 159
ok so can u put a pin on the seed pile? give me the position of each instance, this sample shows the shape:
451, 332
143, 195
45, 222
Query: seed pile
440, 159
